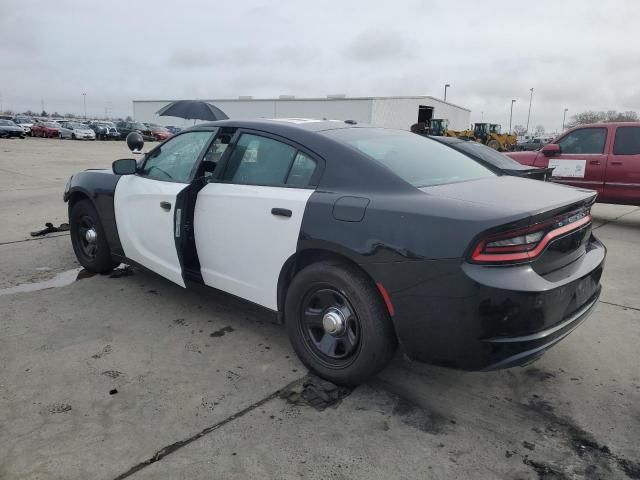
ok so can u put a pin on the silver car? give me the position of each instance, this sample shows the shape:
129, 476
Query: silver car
76, 131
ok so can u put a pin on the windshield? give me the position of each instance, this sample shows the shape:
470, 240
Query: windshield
51, 124
138, 126
78, 126
160, 129
418, 160
24, 120
7, 123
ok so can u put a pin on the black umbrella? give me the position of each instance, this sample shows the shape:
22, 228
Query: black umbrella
192, 110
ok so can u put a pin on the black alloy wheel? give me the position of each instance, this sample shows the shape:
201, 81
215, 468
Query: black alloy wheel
330, 326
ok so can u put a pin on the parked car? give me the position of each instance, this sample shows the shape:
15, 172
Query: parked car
495, 160
173, 129
533, 144
160, 133
105, 130
76, 131
604, 157
8, 128
358, 237
25, 122
125, 128
46, 130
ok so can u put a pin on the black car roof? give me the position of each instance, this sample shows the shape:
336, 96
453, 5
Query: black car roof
287, 124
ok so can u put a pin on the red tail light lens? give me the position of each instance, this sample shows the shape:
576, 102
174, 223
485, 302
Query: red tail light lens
525, 244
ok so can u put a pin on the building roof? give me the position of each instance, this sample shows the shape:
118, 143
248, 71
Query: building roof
313, 99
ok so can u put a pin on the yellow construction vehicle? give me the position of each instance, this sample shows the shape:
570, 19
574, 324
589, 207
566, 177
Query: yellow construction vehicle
490, 135
435, 126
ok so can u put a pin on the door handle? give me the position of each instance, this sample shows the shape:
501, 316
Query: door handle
594, 162
282, 212
166, 206
616, 163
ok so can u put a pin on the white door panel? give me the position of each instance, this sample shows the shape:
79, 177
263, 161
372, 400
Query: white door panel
241, 245
146, 230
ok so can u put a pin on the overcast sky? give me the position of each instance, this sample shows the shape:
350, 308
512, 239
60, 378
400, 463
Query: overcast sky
579, 55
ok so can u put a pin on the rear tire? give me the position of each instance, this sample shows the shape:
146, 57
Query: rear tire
365, 341
91, 249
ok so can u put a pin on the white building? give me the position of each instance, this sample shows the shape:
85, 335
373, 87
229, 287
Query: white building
392, 112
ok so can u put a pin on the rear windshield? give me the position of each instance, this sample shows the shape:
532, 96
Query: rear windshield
487, 154
418, 160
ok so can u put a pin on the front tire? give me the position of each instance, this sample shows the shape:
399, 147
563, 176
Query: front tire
338, 324
88, 239
494, 144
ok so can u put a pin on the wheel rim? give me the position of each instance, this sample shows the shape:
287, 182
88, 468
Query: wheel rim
87, 237
330, 326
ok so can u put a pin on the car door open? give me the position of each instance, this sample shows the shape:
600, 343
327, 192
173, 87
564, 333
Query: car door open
145, 204
247, 223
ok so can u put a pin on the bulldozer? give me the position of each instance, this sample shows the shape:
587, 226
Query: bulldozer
490, 135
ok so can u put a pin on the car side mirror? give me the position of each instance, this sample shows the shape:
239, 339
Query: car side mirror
551, 149
124, 166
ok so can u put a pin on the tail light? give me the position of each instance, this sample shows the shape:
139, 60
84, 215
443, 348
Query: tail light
527, 243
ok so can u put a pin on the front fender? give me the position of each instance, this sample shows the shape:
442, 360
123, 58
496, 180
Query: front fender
98, 186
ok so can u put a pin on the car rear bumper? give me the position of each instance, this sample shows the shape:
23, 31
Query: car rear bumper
474, 317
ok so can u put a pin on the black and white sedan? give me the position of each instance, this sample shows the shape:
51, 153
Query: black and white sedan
360, 238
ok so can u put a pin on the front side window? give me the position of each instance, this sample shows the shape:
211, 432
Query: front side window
627, 141
175, 159
258, 160
584, 141
418, 160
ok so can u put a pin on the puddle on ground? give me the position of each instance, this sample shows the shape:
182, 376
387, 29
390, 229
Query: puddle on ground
60, 280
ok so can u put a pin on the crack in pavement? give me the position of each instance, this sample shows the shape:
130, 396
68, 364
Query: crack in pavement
42, 237
169, 449
607, 222
621, 306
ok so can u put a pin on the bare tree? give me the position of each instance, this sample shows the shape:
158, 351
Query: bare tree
539, 130
591, 116
519, 130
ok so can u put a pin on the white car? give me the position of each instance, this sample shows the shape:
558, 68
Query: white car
76, 131
25, 122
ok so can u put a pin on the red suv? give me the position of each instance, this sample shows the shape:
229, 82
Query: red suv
601, 156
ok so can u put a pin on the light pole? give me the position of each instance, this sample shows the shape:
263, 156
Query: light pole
564, 116
445, 91
511, 115
84, 100
481, 117
529, 114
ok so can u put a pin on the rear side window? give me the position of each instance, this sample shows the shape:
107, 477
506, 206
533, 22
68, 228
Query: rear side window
584, 141
418, 160
627, 141
301, 171
259, 160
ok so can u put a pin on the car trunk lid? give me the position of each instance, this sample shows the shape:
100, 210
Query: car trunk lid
539, 203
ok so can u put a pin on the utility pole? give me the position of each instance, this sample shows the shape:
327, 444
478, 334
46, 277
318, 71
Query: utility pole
84, 100
445, 91
564, 117
529, 115
481, 117
511, 115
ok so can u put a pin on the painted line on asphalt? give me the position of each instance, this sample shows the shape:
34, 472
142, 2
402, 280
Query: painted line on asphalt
169, 449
